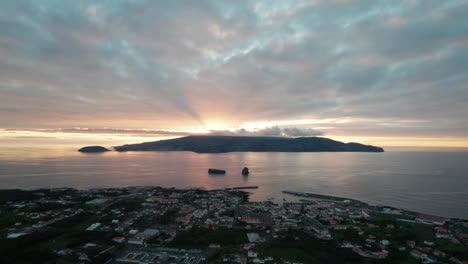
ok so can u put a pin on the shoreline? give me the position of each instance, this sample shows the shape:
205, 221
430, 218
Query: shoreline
344, 200
166, 219
242, 189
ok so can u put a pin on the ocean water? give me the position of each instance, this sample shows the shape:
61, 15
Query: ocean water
429, 182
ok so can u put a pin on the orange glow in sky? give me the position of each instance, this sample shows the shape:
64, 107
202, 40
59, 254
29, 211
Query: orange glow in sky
102, 73
22, 137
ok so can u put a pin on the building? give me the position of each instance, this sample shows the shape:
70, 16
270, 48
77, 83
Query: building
161, 256
97, 202
250, 220
253, 237
417, 254
431, 220
118, 239
93, 227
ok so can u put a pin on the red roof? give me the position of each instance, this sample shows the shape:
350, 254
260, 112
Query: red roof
186, 210
427, 250
247, 218
142, 235
417, 253
169, 200
454, 259
182, 219
357, 250
68, 251
431, 218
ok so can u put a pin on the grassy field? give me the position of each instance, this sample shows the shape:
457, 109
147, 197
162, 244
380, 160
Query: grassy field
394, 216
201, 238
41, 245
458, 250
303, 248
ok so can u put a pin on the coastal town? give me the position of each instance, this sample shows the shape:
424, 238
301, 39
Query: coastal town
150, 225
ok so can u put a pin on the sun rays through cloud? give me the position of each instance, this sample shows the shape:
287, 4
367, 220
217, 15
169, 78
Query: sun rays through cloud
356, 69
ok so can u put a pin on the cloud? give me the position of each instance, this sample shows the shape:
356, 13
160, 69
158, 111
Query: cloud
182, 65
274, 131
106, 131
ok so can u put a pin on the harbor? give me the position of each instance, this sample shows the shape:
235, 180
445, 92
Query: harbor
321, 196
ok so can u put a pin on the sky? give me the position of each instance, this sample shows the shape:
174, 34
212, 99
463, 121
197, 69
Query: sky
388, 73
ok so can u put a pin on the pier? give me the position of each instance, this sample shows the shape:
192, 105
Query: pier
241, 188
321, 196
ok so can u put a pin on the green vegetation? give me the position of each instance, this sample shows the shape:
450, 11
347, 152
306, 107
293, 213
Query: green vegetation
156, 219
166, 218
16, 195
377, 231
349, 235
213, 258
399, 257
201, 238
42, 207
394, 216
418, 232
306, 249
382, 222
30, 207
230, 213
458, 250
127, 205
41, 245
219, 144
25, 249
7, 220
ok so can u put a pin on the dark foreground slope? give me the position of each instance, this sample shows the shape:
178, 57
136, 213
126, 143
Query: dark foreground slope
219, 144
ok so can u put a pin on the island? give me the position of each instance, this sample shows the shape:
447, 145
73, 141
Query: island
222, 144
93, 149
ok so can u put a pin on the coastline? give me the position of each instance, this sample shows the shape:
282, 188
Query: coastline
316, 196
145, 222
242, 189
392, 179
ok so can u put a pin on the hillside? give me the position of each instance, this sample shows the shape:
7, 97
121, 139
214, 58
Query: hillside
220, 144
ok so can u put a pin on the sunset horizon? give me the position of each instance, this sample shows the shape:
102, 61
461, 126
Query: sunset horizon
383, 74
114, 137
233, 131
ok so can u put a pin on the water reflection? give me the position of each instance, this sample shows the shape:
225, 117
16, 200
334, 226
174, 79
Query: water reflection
429, 182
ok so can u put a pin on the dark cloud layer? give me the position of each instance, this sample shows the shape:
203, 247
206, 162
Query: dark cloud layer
386, 67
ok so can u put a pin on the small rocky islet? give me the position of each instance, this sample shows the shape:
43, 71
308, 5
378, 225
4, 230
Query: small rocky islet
93, 149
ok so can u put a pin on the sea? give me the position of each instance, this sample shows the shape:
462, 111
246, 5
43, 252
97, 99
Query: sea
431, 182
